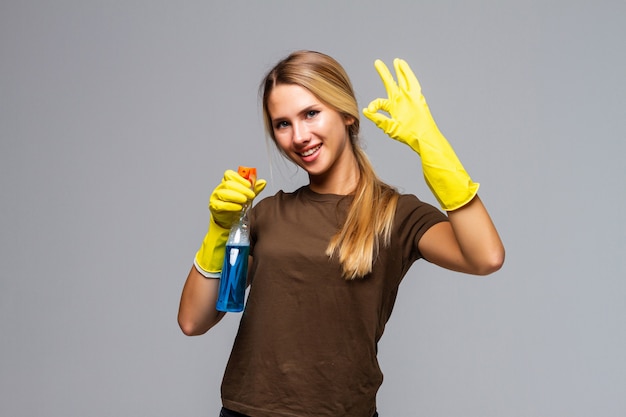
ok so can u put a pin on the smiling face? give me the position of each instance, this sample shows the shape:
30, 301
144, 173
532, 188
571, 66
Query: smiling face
315, 137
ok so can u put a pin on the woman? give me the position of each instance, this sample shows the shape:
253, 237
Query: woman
327, 259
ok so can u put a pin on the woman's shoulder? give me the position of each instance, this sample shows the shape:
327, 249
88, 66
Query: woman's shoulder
302, 195
409, 205
281, 197
411, 200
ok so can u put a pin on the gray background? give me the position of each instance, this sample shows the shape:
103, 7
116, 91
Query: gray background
118, 118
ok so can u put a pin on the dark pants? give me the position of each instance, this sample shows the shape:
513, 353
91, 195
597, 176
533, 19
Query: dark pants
229, 413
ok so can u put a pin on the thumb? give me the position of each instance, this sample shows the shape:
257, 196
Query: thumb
259, 186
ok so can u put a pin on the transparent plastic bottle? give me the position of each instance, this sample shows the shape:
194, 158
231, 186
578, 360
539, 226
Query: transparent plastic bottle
232, 289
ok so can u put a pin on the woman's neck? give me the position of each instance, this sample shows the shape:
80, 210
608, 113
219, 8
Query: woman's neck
340, 183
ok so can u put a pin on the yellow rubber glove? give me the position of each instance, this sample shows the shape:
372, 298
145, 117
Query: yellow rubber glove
410, 122
225, 204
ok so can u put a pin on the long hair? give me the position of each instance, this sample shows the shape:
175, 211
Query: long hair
370, 215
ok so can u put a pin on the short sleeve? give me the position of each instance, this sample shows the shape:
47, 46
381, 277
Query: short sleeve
413, 219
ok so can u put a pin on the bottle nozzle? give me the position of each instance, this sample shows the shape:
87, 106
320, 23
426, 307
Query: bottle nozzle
248, 173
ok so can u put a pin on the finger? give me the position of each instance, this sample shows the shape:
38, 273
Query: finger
407, 79
378, 104
385, 75
234, 181
402, 82
219, 206
231, 175
379, 119
233, 196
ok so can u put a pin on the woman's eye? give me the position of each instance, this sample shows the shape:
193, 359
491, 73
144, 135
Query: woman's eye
312, 113
282, 124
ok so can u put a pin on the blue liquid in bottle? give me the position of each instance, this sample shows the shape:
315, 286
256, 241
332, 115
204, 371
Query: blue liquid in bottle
233, 281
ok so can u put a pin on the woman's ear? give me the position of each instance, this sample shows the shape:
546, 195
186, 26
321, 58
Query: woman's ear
348, 120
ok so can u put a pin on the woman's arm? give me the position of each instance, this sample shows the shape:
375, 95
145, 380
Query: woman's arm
197, 313
468, 243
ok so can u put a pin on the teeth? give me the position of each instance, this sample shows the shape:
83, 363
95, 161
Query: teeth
310, 151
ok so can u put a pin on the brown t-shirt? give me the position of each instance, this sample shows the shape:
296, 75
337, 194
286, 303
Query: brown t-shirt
307, 341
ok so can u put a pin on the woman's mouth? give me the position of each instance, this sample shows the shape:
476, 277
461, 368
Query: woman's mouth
311, 151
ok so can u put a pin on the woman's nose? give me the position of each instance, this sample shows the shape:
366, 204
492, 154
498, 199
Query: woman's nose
300, 133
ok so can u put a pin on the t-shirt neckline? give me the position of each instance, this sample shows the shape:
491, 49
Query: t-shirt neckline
315, 196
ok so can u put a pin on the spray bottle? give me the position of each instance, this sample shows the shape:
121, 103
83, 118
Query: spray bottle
232, 288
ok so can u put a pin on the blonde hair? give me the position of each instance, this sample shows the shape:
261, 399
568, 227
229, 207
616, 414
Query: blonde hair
371, 213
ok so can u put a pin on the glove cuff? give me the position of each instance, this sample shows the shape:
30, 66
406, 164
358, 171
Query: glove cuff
206, 274
444, 173
453, 196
